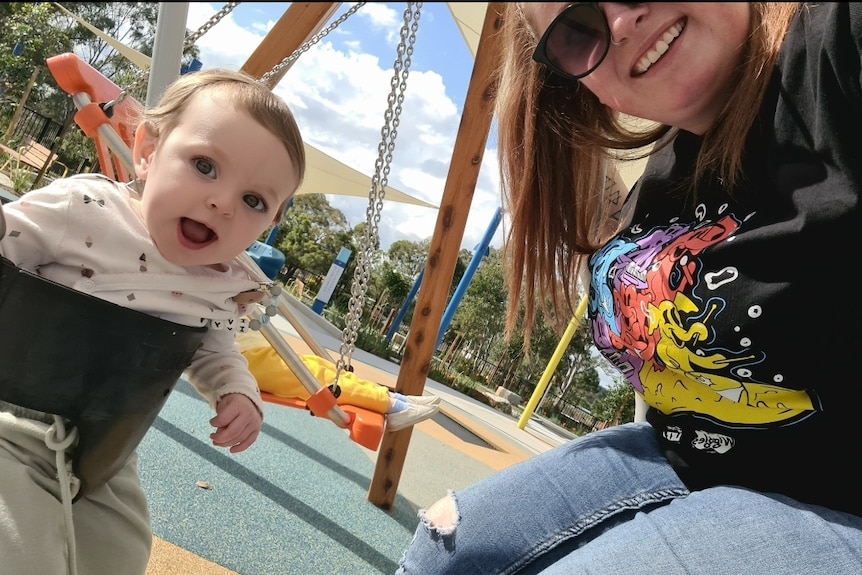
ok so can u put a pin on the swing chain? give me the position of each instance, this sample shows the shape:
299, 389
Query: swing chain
309, 43
143, 75
205, 27
379, 182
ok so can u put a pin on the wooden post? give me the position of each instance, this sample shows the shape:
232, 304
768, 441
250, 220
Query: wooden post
298, 24
54, 148
443, 252
451, 351
19, 109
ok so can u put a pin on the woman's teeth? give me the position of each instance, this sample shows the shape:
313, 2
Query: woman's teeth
652, 56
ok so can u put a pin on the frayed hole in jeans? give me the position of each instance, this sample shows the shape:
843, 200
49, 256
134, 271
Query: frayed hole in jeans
442, 518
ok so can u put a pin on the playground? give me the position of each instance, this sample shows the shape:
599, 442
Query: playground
296, 501
138, 435
308, 498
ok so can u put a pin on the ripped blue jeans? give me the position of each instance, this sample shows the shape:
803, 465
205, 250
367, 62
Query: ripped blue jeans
609, 503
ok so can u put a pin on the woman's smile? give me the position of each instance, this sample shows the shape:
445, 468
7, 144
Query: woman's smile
660, 49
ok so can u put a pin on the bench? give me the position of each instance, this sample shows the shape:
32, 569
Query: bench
33, 154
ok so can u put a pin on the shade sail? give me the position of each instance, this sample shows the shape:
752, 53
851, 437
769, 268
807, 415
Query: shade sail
470, 17
326, 175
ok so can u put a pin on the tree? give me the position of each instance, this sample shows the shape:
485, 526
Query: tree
578, 376
312, 234
617, 405
396, 285
464, 257
408, 257
31, 34
132, 23
390, 290
44, 31
481, 311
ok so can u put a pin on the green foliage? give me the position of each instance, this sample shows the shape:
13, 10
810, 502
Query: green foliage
372, 342
482, 309
407, 257
396, 285
454, 379
617, 405
42, 34
22, 179
312, 234
45, 31
458, 272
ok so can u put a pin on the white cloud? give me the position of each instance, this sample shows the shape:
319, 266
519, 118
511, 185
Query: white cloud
339, 98
226, 44
380, 16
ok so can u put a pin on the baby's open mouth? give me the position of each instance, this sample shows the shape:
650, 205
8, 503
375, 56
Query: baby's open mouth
196, 233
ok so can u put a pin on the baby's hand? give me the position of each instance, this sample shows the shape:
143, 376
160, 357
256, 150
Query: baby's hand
237, 422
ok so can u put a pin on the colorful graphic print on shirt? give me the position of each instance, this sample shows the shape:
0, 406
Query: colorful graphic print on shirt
653, 304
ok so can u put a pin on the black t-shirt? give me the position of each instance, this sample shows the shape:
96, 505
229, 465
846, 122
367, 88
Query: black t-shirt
726, 313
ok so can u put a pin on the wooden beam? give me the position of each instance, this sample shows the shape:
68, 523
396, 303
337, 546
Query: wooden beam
297, 25
443, 252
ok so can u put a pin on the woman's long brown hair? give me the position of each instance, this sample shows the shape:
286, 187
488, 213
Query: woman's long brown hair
555, 141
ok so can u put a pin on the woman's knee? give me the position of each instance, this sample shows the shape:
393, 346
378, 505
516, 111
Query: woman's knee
441, 517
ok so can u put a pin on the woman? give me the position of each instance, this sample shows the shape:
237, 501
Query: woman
749, 198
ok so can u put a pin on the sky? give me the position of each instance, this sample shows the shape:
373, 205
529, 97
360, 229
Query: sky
338, 92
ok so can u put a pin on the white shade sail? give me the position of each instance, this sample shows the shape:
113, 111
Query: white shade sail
469, 16
326, 175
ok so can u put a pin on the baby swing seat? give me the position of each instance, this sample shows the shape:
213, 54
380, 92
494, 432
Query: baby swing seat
105, 368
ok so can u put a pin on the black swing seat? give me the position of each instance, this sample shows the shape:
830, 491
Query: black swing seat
105, 368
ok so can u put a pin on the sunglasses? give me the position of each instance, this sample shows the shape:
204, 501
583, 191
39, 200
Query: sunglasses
576, 42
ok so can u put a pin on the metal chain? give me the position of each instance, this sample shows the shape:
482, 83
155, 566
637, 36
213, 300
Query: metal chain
309, 43
379, 182
189, 41
205, 27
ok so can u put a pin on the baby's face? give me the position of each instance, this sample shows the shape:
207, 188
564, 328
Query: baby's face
214, 183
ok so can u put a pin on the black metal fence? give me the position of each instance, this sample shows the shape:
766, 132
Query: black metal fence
36, 126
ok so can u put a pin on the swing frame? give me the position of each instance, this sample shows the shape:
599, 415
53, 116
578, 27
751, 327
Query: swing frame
297, 25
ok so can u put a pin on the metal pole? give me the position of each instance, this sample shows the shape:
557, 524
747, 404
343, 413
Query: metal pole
167, 48
552, 364
478, 255
290, 357
108, 135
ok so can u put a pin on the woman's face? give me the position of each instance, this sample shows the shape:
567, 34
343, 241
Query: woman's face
669, 62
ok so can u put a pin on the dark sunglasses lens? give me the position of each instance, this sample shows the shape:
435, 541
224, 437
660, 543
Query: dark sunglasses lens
578, 41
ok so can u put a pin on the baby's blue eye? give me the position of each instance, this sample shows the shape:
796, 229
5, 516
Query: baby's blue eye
205, 167
255, 202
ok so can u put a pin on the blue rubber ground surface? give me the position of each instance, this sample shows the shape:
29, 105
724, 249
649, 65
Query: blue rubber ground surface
296, 502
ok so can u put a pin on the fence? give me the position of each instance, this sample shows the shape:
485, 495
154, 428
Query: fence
33, 124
